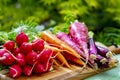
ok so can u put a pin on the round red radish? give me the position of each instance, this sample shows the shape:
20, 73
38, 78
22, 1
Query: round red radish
31, 58
45, 55
15, 71
25, 47
40, 68
38, 44
27, 70
20, 59
47, 66
2, 51
9, 45
21, 37
16, 51
7, 59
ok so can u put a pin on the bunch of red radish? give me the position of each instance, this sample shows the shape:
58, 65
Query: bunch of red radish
25, 58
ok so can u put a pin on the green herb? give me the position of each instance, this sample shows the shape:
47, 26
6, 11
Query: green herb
3, 67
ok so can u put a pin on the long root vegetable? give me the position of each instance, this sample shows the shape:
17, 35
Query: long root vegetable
104, 52
50, 38
58, 54
66, 38
79, 32
54, 49
73, 59
55, 62
62, 59
92, 46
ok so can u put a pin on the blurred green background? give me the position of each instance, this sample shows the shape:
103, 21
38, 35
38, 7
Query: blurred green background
101, 16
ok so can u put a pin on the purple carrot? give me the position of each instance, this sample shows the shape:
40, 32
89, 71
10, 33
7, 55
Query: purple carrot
101, 59
79, 32
104, 52
64, 37
92, 46
110, 62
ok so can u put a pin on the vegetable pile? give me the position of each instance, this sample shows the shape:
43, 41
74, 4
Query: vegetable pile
49, 50
24, 57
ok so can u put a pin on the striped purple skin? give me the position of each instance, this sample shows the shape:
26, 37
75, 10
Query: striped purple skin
79, 33
66, 38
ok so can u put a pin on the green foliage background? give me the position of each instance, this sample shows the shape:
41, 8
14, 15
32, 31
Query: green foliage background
101, 16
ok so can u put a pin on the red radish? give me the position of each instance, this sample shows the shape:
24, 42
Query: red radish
44, 61
25, 47
15, 71
47, 66
79, 33
20, 59
40, 68
6, 58
31, 58
45, 55
38, 44
16, 51
27, 70
9, 45
2, 51
21, 37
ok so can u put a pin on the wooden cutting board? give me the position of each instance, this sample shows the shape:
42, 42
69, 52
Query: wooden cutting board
60, 73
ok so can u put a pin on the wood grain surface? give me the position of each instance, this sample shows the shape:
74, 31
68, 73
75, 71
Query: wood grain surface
60, 73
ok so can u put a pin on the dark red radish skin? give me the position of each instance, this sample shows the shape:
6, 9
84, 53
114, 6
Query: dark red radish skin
79, 32
40, 68
16, 51
66, 38
21, 37
2, 51
47, 66
25, 47
38, 44
31, 58
43, 61
20, 59
104, 52
9, 45
92, 46
15, 71
27, 70
45, 55
7, 59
